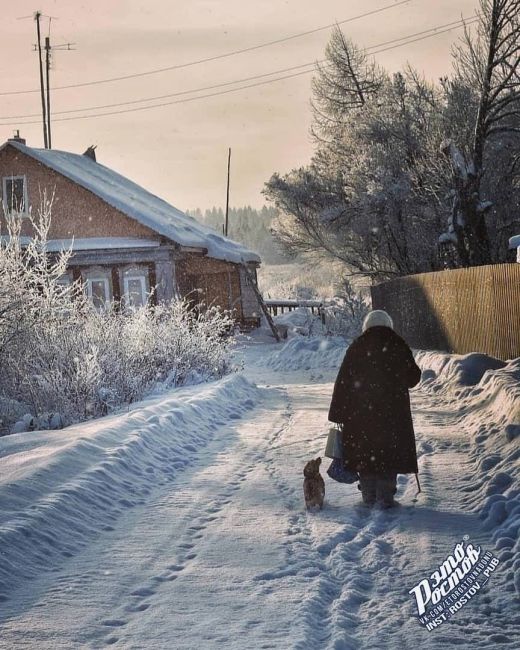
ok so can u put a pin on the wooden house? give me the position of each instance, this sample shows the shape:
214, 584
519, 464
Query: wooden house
125, 241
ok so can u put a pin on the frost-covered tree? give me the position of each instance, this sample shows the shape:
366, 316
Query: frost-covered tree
30, 290
248, 226
487, 61
395, 155
345, 313
343, 84
365, 199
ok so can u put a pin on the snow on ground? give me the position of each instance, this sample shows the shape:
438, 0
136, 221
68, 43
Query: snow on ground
487, 394
301, 354
61, 489
181, 524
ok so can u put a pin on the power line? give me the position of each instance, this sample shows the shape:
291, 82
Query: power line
218, 56
176, 94
410, 38
232, 90
225, 92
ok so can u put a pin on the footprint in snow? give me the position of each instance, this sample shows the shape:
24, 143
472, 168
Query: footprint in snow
111, 640
114, 622
143, 592
137, 608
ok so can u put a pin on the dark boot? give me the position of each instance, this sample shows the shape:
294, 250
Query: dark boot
386, 487
368, 486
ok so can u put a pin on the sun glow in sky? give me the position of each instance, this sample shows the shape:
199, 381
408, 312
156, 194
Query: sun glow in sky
179, 151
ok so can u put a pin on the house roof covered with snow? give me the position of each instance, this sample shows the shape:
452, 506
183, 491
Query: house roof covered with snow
139, 204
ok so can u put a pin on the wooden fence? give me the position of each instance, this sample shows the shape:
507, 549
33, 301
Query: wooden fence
275, 306
463, 310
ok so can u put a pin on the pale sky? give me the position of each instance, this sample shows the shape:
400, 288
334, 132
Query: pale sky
179, 151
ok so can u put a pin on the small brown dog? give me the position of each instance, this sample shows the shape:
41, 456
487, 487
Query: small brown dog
313, 484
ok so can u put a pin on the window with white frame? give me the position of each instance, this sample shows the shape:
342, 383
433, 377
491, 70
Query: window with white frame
135, 290
98, 291
14, 192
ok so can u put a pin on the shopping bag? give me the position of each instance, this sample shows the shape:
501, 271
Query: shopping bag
334, 446
338, 472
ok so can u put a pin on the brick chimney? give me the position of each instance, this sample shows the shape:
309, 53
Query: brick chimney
91, 152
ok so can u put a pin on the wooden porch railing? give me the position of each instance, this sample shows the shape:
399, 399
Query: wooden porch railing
276, 307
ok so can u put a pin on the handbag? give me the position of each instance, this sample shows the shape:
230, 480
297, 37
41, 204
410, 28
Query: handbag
334, 446
334, 449
338, 472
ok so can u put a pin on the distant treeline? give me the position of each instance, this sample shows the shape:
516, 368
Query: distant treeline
248, 226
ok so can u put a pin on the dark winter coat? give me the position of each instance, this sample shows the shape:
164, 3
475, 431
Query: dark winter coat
371, 400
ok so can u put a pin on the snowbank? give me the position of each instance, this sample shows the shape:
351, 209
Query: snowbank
300, 321
488, 398
60, 489
457, 370
303, 353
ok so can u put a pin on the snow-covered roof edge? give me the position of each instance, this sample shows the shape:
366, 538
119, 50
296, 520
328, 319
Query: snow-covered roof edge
89, 243
137, 203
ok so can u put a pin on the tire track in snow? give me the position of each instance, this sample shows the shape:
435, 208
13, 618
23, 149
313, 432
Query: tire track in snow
327, 616
236, 462
199, 517
91, 570
301, 561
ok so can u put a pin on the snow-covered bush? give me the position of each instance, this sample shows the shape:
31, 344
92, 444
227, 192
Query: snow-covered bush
62, 361
84, 363
345, 313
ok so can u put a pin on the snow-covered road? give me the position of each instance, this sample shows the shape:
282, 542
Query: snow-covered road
222, 554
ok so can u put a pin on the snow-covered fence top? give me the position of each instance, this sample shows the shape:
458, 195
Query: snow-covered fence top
274, 306
294, 303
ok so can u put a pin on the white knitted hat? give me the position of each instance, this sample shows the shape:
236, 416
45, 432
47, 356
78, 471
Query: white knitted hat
377, 317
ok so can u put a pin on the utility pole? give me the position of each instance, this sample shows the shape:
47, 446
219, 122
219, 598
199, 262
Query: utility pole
46, 102
37, 17
48, 48
47, 68
227, 194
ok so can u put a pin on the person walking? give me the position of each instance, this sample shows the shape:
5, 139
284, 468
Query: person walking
372, 404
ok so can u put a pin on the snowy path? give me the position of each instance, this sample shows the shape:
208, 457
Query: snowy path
223, 555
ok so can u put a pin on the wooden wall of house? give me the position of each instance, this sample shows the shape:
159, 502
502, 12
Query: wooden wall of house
250, 307
213, 282
76, 212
